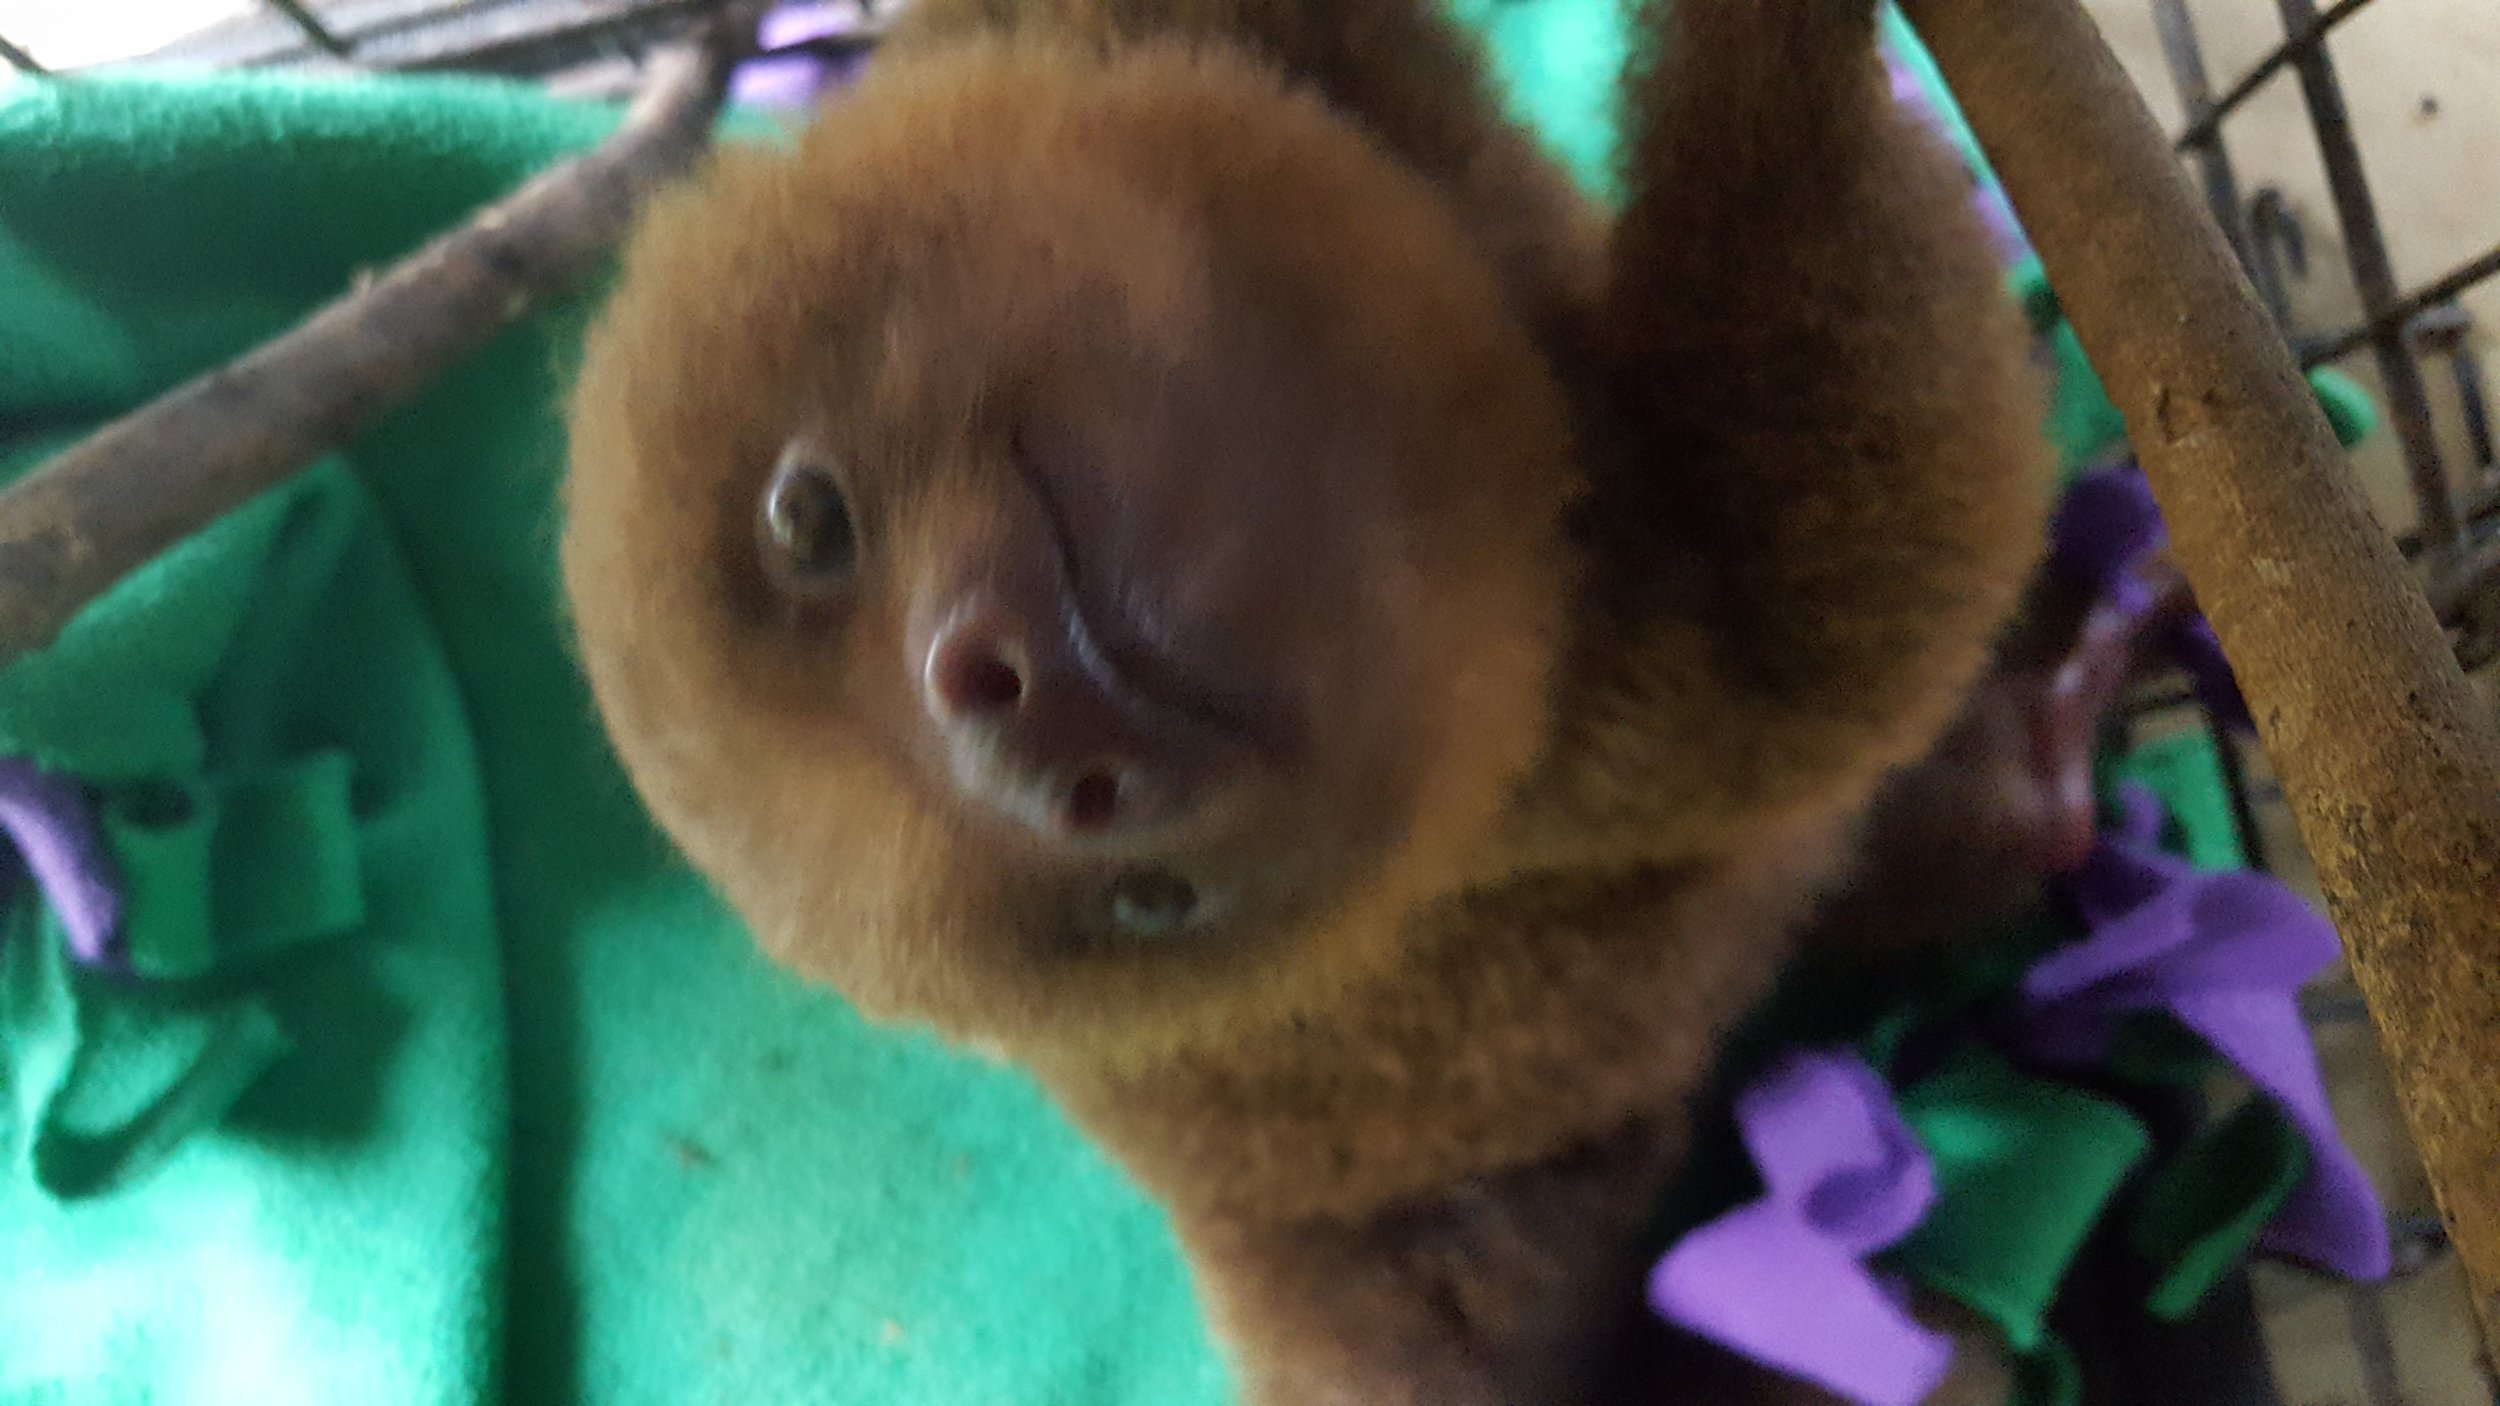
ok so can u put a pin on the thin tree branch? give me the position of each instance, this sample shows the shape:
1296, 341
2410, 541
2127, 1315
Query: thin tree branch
2391, 766
78, 523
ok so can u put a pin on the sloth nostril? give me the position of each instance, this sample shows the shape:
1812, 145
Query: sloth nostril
972, 676
990, 684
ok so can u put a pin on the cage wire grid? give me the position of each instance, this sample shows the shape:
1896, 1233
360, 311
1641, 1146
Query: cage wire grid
596, 48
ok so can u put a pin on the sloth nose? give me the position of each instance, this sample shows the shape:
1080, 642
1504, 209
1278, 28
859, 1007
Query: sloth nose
1035, 725
973, 674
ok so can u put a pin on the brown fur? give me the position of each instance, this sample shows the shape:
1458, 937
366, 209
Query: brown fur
1592, 580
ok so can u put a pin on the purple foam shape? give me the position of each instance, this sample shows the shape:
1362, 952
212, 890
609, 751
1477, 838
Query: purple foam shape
2106, 525
1784, 1280
54, 829
2226, 954
794, 79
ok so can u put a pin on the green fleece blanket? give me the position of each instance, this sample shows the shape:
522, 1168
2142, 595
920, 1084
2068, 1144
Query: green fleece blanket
523, 1116
539, 1126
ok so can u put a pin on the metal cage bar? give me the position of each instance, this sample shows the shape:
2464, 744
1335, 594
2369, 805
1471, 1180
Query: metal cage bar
2396, 318
2374, 273
2203, 126
311, 28
530, 38
2186, 59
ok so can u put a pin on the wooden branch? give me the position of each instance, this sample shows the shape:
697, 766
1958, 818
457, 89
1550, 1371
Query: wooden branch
2390, 768
78, 523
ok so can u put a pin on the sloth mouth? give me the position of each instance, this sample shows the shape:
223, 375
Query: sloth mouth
1112, 641
1151, 902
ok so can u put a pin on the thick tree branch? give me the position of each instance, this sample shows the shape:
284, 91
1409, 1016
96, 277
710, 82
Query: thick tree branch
81, 521
2392, 771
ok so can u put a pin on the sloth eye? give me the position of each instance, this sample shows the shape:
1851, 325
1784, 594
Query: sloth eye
810, 544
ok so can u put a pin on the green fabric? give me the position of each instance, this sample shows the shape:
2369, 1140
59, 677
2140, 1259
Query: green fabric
2024, 1169
2195, 1220
335, 1237
225, 873
2085, 427
550, 1131
1558, 60
2185, 770
68, 1152
2048, 1375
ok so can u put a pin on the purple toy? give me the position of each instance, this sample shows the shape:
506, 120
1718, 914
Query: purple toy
54, 830
790, 73
1784, 1280
2226, 954
2107, 529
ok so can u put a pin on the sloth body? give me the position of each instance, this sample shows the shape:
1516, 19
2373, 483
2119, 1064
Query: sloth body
1163, 539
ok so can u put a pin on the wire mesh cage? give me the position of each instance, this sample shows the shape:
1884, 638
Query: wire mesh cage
2419, 344
2405, 333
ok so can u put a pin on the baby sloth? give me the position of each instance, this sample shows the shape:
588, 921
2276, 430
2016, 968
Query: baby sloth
1165, 540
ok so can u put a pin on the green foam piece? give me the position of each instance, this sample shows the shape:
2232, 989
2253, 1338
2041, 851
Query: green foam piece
2348, 407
